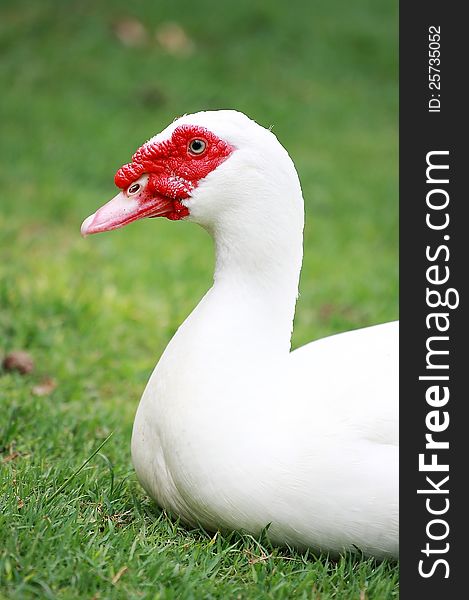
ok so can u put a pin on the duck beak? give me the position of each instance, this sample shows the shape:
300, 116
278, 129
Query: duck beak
122, 210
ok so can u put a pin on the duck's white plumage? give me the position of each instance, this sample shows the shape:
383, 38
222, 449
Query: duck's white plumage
234, 431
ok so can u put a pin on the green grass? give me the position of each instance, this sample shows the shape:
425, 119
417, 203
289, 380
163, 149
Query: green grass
97, 313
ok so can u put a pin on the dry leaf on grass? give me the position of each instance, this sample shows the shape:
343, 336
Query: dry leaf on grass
44, 387
130, 32
10, 457
20, 361
172, 38
119, 574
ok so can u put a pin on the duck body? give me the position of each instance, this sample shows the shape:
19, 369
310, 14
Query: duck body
233, 442
234, 431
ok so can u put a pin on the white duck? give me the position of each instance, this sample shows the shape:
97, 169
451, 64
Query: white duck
234, 431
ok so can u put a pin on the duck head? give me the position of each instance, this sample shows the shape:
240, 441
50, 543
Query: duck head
211, 167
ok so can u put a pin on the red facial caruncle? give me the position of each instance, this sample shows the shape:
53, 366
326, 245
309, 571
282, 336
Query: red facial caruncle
160, 176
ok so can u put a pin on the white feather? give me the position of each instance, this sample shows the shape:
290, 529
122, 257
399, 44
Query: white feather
234, 431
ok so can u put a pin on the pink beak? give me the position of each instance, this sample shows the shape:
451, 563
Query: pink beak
122, 210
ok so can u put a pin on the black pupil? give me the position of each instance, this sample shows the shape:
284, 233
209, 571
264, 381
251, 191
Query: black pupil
133, 188
197, 145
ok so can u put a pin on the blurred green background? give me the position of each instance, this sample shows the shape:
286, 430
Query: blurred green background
83, 84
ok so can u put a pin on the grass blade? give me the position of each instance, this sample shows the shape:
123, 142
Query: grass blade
74, 474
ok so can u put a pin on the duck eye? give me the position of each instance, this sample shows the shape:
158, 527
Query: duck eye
133, 189
197, 146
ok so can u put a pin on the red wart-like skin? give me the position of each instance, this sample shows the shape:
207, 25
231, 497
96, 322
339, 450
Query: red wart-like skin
172, 172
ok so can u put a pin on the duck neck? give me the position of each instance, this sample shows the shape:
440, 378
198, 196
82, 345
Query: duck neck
256, 285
